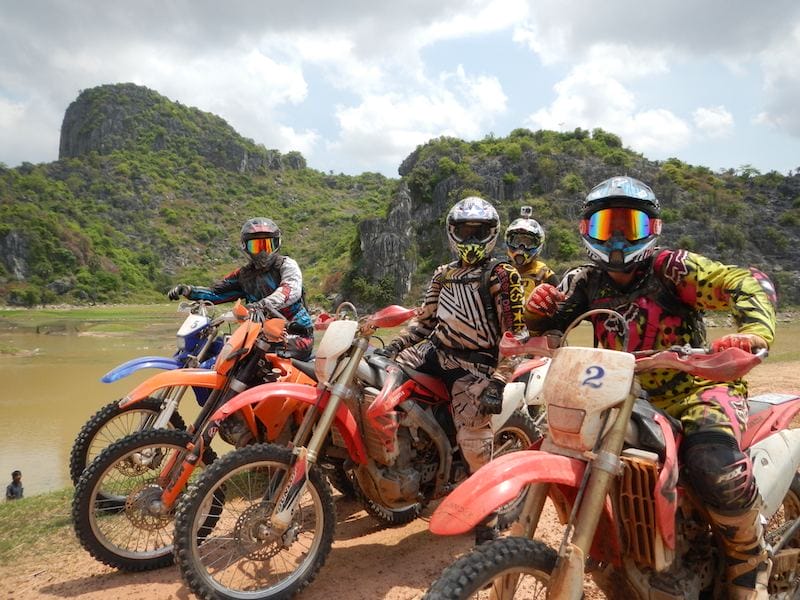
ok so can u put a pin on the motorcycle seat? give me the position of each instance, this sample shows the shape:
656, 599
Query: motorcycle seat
429, 382
649, 435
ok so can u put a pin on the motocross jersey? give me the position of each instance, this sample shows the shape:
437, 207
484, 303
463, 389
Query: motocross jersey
663, 307
280, 287
537, 274
459, 317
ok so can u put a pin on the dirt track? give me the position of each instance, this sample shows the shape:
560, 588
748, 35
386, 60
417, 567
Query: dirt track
365, 563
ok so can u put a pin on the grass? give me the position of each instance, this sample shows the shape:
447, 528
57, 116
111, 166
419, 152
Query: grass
36, 525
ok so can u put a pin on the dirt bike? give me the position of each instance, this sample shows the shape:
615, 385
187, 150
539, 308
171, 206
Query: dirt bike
123, 505
198, 344
275, 515
609, 464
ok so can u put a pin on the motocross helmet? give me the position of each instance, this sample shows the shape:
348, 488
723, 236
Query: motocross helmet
260, 238
472, 226
620, 223
524, 238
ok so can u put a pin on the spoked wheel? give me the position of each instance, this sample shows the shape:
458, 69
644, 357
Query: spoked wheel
517, 433
117, 512
110, 424
501, 570
784, 583
244, 556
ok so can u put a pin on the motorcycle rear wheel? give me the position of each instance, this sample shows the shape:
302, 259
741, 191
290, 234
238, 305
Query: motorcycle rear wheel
779, 587
113, 509
110, 424
517, 433
240, 556
510, 567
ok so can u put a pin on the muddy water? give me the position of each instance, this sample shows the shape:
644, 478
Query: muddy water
51, 386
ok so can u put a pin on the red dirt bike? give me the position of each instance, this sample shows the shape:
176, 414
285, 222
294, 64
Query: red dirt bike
609, 464
274, 514
123, 505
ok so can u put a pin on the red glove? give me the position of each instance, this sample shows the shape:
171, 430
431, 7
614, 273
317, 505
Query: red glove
544, 300
746, 341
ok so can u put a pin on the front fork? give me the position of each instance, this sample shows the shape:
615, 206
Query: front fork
170, 399
306, 455
566, 581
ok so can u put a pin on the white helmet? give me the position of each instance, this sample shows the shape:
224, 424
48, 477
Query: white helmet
472, 226
524, 238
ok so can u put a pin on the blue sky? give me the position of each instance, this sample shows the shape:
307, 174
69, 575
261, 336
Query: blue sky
356, 85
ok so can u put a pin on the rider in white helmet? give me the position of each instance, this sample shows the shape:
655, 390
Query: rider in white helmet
524, 242
469, 305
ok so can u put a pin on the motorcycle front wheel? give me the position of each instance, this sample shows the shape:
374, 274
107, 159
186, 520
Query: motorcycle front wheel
503, 569
242, 556
110, 424
116, 510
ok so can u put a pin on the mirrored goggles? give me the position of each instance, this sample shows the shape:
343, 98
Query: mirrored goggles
633, 224
472, 231
524, 241
256, 245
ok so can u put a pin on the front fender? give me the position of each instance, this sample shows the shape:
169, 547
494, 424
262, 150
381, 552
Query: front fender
280, 392
499, 482
198, 378
136, 364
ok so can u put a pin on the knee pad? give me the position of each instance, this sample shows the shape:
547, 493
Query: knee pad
719, 472
476, 446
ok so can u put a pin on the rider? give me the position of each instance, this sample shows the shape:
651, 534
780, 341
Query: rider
524, 242
269, 281
468, 306
661, 294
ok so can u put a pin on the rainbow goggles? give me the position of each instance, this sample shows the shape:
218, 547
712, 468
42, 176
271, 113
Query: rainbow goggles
256, 245
633, 224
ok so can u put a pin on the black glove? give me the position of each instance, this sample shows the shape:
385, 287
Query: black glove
387, 351
179, 290
492, 398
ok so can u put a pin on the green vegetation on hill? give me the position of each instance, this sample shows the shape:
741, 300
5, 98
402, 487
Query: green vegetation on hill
149, 192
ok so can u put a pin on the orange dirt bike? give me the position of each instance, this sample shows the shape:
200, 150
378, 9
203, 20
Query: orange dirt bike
123, 505
273, 513
198, 342
609, 463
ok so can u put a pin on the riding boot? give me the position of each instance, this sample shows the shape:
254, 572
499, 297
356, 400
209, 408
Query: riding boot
748, 565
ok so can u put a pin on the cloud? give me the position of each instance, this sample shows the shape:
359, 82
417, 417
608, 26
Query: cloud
714, 121
596, 93
387, 127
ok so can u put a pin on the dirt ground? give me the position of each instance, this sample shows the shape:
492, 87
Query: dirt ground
366, 563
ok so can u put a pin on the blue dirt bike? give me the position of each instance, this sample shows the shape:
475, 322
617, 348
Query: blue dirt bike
198, 343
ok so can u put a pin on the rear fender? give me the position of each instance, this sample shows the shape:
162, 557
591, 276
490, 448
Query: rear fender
136, 364
197, 378
295, 394
762, 423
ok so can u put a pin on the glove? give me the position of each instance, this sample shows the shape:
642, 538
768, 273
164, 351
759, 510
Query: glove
256, 314
544, 300
389, 352
746, 341
179, 290
492, 398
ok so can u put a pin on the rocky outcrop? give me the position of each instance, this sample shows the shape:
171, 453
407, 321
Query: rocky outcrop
131, 117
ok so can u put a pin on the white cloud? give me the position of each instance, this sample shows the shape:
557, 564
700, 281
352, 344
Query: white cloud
714, 121
389, 126
596, 93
